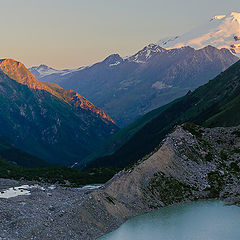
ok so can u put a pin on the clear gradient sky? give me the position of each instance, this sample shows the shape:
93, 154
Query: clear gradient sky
73, 33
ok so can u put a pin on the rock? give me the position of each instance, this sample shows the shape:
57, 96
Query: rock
172, 174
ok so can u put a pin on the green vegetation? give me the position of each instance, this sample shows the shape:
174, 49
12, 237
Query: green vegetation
216, 182
214, 104
169, 189
237, 133
209, 157
223, 155
123, 135
19, 157
61, 175
42, 124
193, 129
16, 164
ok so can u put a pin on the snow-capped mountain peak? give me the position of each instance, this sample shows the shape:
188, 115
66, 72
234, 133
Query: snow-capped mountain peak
222, 31
113, 59
146, 53
44, 70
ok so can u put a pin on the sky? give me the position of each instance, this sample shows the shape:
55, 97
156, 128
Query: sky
73, 33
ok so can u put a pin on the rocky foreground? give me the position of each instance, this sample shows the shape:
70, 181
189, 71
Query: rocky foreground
192, 163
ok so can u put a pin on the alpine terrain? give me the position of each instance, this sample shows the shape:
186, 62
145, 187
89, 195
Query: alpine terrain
214, 104
192, 163
67, 171
221, 31
127, 88
179, 163
57, 125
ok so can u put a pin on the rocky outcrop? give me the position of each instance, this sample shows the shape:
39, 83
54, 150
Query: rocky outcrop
192, 163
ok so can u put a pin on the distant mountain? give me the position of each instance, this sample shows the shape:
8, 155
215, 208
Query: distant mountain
57, 125
127, 88
43, 71
214, 104
221, 31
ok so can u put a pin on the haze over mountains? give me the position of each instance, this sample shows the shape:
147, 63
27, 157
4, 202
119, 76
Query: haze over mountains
127, 88
43, 119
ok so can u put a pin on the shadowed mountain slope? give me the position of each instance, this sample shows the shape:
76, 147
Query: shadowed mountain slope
57, 125
213, 104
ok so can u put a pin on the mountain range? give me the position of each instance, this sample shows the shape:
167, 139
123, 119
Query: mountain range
215, 104
164, 163
186, 150
59, 126
65, 128
128, 87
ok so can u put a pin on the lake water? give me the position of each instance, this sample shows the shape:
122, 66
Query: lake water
209, 220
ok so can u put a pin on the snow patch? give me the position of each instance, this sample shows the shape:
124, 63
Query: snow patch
146, 53
18, 191
52, 187
91, 187
15, 191
114, 64
160, 85
219, 17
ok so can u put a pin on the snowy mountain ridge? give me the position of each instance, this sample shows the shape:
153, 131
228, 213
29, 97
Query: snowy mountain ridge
44, 70
222, 31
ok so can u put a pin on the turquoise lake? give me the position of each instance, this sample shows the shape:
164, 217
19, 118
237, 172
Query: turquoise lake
207, 220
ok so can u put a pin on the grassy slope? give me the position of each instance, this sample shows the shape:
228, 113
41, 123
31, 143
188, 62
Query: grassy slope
122, 136
19, 157
16, 164
214, 104
28, 115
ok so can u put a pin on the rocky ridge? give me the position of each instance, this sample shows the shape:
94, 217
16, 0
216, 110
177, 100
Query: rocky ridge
18, 72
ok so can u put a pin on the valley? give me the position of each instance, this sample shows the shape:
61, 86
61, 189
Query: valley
145, 146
